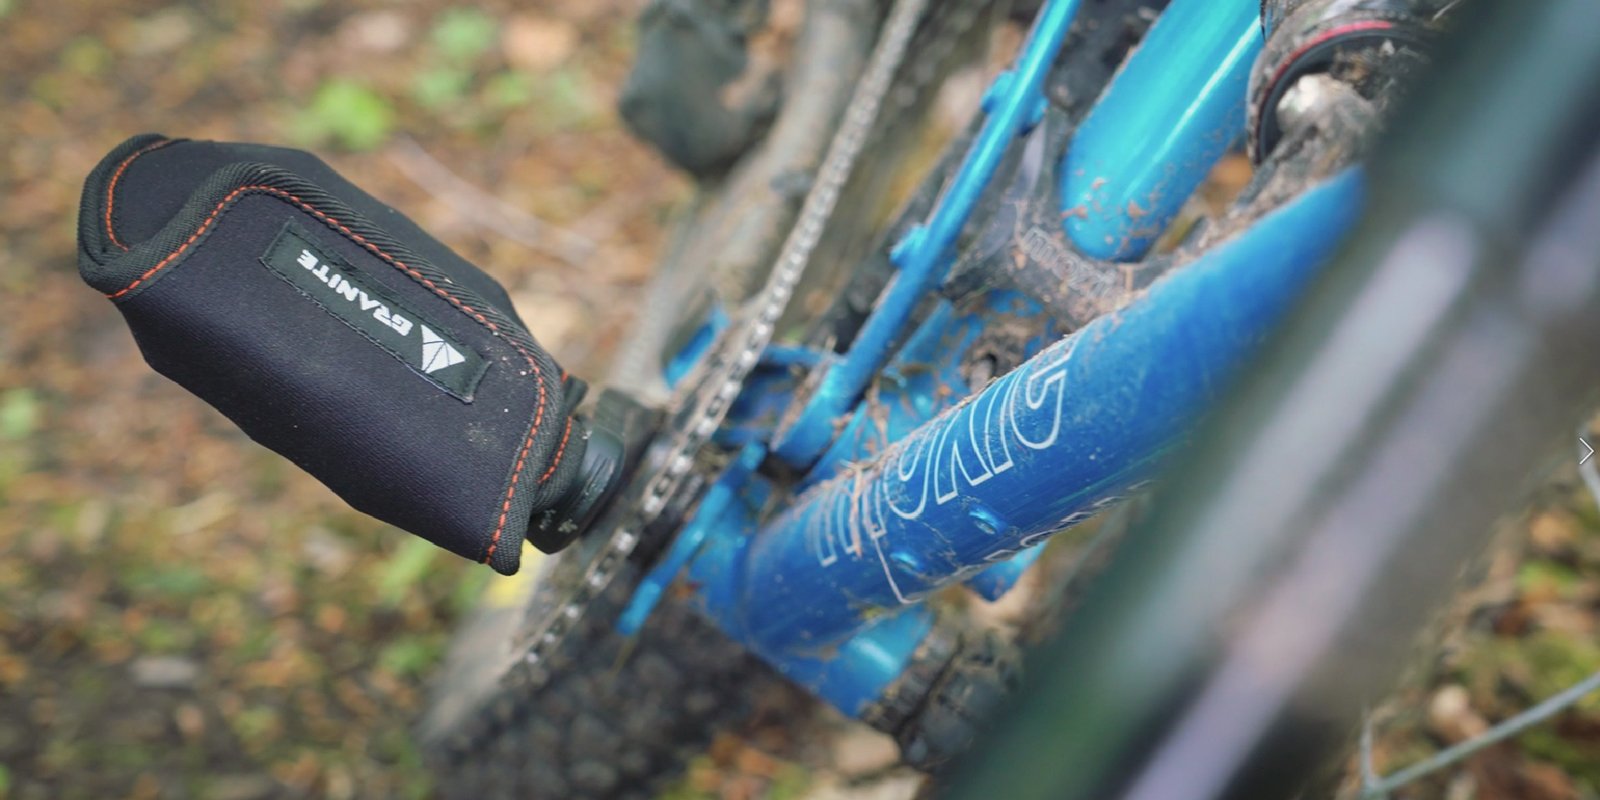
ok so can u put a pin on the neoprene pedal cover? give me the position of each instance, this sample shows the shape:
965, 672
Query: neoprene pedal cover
336, 332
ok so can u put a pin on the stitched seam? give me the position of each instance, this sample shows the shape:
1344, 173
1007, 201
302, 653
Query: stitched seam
111, 188
561, 450
538, 417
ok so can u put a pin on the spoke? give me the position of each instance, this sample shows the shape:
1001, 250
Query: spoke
1375, 788
1499, 733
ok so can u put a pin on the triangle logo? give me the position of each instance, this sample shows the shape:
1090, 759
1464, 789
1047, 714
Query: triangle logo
437, 353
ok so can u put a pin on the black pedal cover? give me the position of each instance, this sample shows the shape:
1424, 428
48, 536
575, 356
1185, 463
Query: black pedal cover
336, 332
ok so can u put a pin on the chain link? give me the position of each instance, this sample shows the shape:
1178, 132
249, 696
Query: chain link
709, 391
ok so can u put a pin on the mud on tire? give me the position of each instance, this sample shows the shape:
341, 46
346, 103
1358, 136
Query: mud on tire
620, 719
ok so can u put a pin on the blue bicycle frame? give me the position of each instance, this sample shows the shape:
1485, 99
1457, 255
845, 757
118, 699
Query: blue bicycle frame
909, 496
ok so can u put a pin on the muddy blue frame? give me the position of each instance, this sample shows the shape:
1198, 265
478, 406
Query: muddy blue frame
912, 494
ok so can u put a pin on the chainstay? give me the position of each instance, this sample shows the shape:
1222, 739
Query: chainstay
709, 391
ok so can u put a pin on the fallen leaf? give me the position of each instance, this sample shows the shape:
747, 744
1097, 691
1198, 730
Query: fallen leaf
1451, 717
538, 44
383, 31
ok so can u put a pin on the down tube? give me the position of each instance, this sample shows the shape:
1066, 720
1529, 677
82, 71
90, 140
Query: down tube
1043, 447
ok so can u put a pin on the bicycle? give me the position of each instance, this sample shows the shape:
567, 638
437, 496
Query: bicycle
790, 584
823, 470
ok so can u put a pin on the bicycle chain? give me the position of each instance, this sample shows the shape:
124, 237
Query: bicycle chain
710, 390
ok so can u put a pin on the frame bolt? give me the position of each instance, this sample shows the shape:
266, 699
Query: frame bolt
997, 90
910, 243
909, 562
986, 519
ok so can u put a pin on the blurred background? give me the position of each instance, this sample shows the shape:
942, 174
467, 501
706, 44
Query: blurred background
183, 614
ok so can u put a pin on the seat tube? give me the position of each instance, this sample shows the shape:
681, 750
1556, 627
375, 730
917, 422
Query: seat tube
1174, 108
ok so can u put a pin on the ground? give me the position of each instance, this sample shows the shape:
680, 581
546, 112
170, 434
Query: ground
183, 614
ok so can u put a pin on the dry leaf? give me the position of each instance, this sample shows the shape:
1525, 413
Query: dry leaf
538, 44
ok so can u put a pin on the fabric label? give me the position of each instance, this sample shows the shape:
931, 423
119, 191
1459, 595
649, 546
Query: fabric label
340, 290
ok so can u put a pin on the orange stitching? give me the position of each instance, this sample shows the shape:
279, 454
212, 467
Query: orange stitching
538, 417
185, 246
561, 450
111, 189
516, 474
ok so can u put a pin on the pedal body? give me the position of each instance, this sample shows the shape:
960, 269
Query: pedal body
337, 333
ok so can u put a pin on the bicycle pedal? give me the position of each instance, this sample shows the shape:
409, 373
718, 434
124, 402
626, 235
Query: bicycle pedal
619, 430
336, 332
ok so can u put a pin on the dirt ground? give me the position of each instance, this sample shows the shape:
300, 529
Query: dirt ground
184, 614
